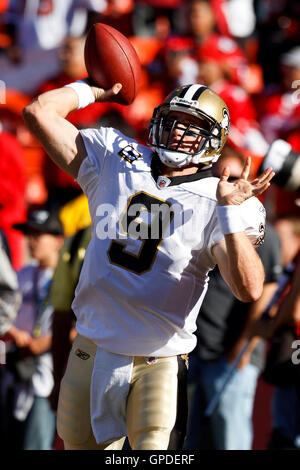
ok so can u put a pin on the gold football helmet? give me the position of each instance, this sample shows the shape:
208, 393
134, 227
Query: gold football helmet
212, 125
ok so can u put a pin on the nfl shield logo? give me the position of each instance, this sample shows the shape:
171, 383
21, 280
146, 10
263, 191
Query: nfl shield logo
162, 182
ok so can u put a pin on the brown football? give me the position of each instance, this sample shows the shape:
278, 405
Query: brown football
111, 58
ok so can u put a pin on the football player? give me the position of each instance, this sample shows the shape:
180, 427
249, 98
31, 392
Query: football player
160, 223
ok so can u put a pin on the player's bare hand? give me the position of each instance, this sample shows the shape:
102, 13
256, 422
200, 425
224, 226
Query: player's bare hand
21, 337
104, 96
237, 192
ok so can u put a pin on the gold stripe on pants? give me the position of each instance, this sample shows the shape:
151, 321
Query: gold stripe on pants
152, 403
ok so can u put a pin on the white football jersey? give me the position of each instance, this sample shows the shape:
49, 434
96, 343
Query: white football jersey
146, 268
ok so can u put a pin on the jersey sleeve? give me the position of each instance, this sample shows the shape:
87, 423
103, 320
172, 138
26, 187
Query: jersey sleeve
254, 218
215, 236
95, 141
270, 255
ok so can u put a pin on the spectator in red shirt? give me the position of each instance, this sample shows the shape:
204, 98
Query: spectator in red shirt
12, 194
280, 118
280, 111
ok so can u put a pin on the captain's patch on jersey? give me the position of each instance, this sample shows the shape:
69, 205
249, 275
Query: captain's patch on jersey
129, 153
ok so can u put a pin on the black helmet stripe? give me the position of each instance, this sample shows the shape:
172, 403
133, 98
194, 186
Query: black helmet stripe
192, 92
184, 90
200, 90
175, 93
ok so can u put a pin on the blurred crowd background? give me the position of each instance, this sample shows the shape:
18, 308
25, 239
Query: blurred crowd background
248, 51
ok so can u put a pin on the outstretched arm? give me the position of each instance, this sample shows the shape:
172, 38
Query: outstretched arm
236, 257
287, 312
45, 118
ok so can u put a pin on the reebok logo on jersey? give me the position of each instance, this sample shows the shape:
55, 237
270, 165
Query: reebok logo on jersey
129, 153
82, 355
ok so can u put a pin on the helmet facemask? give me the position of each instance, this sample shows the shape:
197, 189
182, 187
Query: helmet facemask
181, 151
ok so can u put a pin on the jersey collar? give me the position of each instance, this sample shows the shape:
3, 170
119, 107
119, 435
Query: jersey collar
175, 180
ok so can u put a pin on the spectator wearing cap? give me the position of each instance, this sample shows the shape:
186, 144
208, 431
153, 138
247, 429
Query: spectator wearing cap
29, 376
